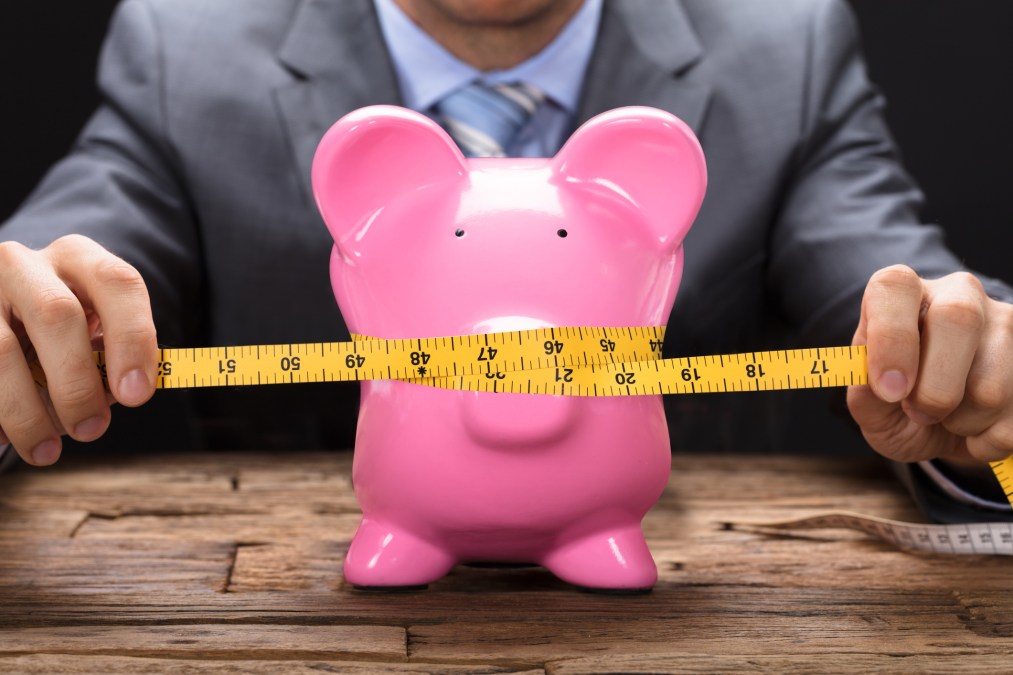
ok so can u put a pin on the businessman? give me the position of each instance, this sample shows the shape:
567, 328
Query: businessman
185, 205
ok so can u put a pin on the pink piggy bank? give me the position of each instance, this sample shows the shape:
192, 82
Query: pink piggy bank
428, 243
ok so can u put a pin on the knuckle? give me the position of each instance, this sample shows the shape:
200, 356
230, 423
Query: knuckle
898, 277
24, 425
55, 306
936, 401
962, 313
1000, 436
893, 335
960, 426
116, 272
9, 343
969, 282
138, 335
139, 329
12, 254
1004, 324
987, 394
77, 392
70, 243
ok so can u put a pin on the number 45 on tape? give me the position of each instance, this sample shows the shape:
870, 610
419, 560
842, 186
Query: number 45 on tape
568, 361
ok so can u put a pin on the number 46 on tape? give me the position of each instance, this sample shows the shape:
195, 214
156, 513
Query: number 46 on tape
568, 361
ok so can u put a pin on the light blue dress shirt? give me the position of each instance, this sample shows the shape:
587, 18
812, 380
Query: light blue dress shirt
426, 72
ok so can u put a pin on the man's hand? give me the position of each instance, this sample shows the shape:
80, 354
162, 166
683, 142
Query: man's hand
56, 306
940, 368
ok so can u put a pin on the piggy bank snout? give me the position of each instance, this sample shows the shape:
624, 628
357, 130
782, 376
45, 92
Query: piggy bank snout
518, 421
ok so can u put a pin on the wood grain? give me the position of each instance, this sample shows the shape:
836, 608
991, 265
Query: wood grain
209, 641
44, 664
232, 563
940, 664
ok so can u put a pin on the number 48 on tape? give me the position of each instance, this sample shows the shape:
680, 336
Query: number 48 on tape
569, 361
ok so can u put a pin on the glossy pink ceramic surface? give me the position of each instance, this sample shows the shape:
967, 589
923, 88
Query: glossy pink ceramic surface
428, 243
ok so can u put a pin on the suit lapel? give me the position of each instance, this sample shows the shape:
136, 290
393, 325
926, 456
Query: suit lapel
336, 53
642, 53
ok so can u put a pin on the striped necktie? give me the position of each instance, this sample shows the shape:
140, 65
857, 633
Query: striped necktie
484, 119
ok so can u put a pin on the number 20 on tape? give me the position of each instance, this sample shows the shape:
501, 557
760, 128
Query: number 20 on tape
572, 361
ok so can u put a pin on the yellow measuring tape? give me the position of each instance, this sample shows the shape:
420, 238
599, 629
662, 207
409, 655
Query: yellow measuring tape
581, 361
574, 361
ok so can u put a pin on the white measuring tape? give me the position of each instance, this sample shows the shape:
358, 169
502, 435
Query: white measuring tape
959, 539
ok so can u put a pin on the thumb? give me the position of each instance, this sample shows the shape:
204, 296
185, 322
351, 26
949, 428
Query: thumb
877, 409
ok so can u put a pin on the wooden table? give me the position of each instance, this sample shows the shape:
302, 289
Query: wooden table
232, 563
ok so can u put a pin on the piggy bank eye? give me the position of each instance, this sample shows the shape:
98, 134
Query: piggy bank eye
561, 233
459, 233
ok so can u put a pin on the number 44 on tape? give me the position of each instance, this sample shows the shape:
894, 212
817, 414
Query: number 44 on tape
567, 361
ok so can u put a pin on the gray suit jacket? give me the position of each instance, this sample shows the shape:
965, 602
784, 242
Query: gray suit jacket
196, 170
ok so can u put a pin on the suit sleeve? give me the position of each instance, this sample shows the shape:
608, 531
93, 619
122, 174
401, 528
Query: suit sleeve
849, 210
122, 184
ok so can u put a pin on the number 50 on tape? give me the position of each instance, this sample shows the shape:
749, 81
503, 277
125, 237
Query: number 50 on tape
573, 361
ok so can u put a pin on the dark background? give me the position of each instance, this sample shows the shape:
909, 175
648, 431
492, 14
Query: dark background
946, 67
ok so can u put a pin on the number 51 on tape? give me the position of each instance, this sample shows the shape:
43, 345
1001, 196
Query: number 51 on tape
568, 361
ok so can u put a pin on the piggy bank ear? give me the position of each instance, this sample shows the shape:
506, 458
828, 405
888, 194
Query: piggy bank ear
645, 157
373, 155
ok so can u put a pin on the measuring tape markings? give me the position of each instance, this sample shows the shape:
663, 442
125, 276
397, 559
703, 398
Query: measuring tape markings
1003, 470
959, 539
423, 360
754, 371
572, 361
560, 361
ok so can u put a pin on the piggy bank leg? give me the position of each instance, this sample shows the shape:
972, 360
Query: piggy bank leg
383, 555
611, 559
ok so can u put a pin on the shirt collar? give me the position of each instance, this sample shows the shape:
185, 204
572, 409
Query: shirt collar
427, 72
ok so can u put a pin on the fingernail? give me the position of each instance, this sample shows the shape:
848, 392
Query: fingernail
892, 386
46, 452
920, 418
134, 388
90, 429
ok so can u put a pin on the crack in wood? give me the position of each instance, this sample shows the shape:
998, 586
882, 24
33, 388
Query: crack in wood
156, 513
231, 570
182, 513
724, 603
972, 615
511, 662
170, 513
227, 585
79, 525
335, 656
